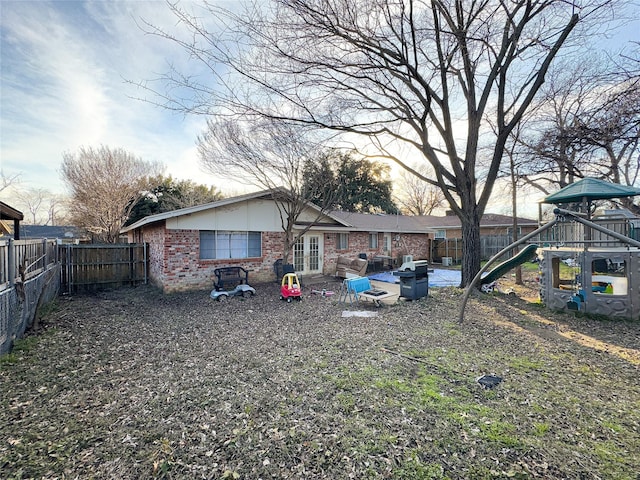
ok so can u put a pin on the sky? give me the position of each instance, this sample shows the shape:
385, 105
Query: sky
66, 73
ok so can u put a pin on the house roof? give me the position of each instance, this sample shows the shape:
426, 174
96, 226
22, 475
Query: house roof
188, 210
51, 231
207, 206
380, 222
488, 220
365, 222
7, 212
590, 189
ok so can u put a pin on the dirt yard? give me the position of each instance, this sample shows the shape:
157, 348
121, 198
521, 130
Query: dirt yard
134, 384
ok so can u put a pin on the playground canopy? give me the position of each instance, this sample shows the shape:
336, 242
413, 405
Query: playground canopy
589, 189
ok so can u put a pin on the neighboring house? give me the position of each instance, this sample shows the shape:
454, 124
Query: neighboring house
9, 214
66, 233
495, 233
187, 245
490, 224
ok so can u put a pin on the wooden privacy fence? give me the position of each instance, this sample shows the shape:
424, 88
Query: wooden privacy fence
95, 267
32, 272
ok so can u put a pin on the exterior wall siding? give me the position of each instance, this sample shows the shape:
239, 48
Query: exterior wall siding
154, 235
415, 244
175, 264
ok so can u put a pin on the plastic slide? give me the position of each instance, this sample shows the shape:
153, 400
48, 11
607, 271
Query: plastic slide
524, 255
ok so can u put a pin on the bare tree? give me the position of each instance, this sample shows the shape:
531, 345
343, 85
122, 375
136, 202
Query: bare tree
7, 180
587, 125
428, 74
33, 200
417, 197
57, 213
269, 154
104, 183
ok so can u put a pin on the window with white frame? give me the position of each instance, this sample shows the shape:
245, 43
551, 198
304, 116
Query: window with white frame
441, 234
223, 244
373, 240
342, 241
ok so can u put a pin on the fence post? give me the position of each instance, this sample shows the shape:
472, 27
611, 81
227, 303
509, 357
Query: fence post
69, 269
11, 270
144, 260
45, 258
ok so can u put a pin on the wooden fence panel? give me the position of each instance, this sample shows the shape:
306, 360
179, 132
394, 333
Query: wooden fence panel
4, 264
96, 267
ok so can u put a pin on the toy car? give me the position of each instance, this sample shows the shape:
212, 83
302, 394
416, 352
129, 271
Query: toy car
290, 288
241, 291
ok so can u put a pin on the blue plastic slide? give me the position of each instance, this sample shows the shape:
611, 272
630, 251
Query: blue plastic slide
524, 255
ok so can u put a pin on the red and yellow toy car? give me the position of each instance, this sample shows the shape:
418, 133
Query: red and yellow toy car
290, 288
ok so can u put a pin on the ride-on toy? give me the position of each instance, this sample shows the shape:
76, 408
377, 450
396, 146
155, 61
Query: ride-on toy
228, 276
290, 288
240, 290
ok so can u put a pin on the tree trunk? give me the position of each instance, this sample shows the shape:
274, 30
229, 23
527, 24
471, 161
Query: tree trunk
514, 230
470, 243
287, 247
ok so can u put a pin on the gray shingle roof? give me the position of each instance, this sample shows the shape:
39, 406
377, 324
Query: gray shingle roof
420, 224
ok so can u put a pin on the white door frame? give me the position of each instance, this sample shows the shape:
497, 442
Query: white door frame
387, 241
311, 247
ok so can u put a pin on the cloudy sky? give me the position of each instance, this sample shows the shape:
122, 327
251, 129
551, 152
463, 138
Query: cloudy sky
65, 66
64, 72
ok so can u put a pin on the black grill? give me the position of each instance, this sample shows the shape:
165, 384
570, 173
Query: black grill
414, 279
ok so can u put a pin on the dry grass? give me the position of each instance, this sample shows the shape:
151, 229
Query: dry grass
133, 384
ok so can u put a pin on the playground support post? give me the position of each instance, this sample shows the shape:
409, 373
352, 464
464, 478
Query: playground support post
475, 280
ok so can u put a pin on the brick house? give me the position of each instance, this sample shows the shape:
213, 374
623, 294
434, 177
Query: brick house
187, 245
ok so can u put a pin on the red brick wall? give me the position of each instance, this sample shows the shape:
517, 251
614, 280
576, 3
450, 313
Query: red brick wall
412, 244
175, 263
154, 236
407, 244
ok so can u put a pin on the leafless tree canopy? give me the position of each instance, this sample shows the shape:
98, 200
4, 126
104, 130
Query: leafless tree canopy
417, 197
429, 74
587, 124
104, 184
270, 154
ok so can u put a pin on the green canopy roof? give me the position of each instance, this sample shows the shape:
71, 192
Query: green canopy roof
590, 189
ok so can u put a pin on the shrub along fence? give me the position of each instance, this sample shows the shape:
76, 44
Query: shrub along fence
32, 272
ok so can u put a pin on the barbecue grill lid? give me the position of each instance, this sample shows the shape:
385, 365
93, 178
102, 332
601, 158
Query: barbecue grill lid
406, 266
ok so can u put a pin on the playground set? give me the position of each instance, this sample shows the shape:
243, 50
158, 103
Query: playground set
588, 268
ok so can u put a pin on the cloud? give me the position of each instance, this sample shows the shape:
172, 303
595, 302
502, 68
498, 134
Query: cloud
65, 67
